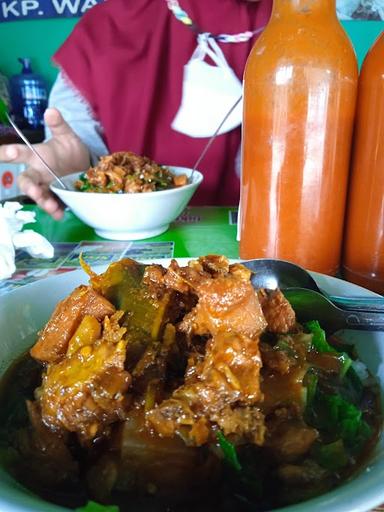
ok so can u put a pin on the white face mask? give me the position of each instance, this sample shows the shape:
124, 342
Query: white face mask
209, 91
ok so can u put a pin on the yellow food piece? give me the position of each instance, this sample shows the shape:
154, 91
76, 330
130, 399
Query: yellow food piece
87, 333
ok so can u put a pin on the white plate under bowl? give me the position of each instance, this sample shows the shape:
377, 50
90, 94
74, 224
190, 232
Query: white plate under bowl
25, 310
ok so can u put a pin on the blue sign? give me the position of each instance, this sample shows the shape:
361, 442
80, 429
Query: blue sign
13, 10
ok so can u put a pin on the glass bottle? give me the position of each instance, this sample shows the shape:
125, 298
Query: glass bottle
28, 96
363, 260
300, 87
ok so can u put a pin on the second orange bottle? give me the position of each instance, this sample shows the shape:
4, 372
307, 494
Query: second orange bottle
364, 237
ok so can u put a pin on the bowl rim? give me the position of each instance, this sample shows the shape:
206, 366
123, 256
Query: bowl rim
55, 187
344, 498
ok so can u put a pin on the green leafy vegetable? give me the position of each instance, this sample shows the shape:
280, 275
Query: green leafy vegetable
92, 506
355, 382
284, 346
320, 343
319, 339
84, 186
332, 456
311, 381
229, 451
3, 112
346, 362
344, 420
248, 484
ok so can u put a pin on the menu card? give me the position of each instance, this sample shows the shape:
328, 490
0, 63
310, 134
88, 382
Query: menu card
95, 253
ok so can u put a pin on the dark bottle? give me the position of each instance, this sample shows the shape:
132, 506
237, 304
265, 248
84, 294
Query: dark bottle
28, 97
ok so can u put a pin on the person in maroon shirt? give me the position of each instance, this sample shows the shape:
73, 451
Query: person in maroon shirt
120, 88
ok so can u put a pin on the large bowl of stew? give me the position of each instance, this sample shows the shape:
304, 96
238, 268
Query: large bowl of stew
176, 386
122, 205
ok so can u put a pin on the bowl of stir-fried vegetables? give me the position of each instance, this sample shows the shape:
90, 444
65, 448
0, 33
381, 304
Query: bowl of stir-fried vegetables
179, 387
127, 197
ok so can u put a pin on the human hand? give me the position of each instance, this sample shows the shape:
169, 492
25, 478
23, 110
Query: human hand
64, 152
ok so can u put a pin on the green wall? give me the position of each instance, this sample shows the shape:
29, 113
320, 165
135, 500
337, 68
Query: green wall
39, 39
362, 35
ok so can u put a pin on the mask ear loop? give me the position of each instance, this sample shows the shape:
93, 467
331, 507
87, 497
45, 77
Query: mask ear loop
201, 48
206, 45
214, 48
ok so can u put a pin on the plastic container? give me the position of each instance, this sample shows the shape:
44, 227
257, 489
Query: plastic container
363, 260
28, 92
300, 87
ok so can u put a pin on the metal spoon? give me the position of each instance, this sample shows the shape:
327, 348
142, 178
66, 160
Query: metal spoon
213, 137
26, 141
312, 305
273, 273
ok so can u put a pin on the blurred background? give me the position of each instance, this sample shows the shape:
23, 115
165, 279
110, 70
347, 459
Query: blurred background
28, 32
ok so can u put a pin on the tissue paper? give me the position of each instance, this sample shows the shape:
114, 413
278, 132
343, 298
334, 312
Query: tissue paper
12, 220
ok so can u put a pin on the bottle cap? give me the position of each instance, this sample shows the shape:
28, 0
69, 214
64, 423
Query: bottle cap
26, 63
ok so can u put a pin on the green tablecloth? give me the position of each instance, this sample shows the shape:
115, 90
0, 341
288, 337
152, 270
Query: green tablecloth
198, 231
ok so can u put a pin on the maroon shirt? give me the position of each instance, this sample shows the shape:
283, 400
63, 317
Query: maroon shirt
126, 57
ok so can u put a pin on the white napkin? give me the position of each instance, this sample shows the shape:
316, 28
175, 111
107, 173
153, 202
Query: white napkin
12, 219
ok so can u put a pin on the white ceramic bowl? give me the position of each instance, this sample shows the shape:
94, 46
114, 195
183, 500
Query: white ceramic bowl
21, 316
128, 216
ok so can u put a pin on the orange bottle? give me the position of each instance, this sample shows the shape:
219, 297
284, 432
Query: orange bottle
363, 261
300, 87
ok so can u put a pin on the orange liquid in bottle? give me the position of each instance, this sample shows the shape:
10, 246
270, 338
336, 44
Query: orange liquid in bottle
363, 260
299, 101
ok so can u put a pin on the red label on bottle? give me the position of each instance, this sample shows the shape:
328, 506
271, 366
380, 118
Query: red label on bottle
7, 179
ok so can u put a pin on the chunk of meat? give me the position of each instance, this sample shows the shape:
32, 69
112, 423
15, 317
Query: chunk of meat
302, 474
226, 303
277, 311
154, 277
277, 360
128, 172
213, 264
228, 374
246, 423
84, 393
232, 363
181, 279
116, 178
180, 180
292, 440
54, 338
97, 177
187, 279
